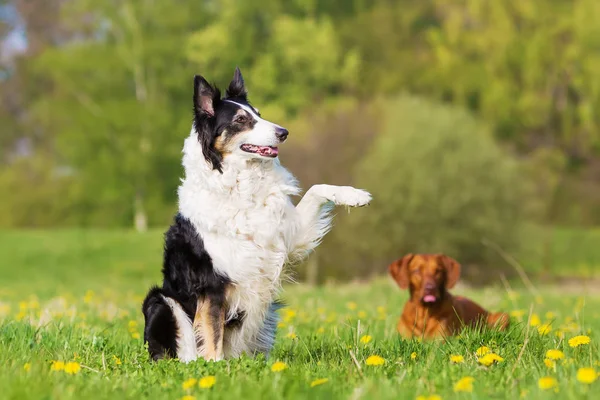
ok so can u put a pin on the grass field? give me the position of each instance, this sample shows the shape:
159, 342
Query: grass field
74, 297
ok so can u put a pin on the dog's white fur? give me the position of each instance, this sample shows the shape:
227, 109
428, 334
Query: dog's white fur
251, 229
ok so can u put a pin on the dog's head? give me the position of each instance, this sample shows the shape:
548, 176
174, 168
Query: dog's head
230, 126
427, 276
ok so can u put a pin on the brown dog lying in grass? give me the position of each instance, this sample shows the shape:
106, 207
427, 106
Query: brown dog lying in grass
431, 310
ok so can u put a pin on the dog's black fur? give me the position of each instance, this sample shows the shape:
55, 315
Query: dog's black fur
187, 276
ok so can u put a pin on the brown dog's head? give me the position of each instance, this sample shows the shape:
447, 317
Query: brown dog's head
427, 276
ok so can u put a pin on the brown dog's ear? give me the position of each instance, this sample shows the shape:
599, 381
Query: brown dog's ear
452, 270
399, 270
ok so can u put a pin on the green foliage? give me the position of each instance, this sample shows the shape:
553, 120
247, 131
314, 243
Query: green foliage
440, 184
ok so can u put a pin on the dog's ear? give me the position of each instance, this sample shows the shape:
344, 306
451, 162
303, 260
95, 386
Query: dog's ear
399, 270
237, 87
205, 97
452, 270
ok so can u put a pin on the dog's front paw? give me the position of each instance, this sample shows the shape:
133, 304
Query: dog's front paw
349, 196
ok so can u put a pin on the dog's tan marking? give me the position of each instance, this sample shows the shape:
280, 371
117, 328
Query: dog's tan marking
209, 326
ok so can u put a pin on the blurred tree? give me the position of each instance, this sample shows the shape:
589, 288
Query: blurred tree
439, 184
117, 95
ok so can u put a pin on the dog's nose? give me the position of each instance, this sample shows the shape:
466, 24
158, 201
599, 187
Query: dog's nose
281, 133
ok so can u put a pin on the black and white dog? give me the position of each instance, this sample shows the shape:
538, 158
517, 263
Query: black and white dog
235, 230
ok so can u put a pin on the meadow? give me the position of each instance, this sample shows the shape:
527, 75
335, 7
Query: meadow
71, 328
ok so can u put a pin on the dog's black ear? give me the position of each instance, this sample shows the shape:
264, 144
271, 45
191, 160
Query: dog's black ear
205, 97
236, 87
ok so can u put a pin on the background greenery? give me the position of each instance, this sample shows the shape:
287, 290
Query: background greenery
472, 122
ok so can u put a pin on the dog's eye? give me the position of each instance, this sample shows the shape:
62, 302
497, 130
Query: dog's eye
240, 119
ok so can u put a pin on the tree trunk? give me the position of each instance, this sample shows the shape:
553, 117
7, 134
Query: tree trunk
140, 218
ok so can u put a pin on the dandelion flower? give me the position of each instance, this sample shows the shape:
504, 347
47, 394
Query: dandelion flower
413, 356
517, 313
362, 314
579, 340
135, 335
547, 383
321, 330
281, 324
430, 397
318, 382
207, 382
490, 359
549, 363
72, 368
351, 305
375, 360
482, 351
117, 360
189, 383
278, 366
365, 339
587, 375
188, 397
535, 320
291, 335
457, 359
544, 329
555, 354
464, 384
27, 367
550, 315
57, 366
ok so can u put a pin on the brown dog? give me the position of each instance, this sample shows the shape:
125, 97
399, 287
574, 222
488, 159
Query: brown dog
431, 311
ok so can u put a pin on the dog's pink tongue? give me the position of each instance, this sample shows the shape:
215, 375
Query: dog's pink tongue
429, 298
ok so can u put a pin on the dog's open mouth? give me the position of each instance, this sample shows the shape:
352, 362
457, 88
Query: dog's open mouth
265, 151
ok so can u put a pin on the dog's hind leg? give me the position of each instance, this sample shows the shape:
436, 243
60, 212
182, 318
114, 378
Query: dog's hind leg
314, 211
168, 329
209, 326
499, 320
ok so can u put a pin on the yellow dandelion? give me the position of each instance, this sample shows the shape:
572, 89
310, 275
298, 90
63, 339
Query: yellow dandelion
549, 363
430, 397
321, 311
135, 335
457, 359
291, 335
381, 309
132, 325
321, 330
544, 329
72, 368
579, 340
89, 296
547, 383
57, 366
535, 320
351, 305
365, 339
482, 351
555, 354
116, 360
375, 360
517, 313
362, 314
27, 367
550, 315
587, 375
490, 359
464, 384
189, 383
188, 397
278, 366
207, 382
281, 324
413, 356
524, 393
318, 382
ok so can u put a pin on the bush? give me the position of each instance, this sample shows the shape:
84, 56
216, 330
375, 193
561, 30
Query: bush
440, 184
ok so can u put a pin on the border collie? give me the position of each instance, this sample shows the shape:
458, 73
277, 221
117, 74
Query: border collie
235, 230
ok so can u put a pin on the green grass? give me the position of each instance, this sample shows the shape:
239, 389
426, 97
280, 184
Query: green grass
47, 313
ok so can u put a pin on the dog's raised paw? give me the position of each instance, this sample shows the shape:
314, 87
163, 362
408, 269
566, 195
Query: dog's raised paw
349, 196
